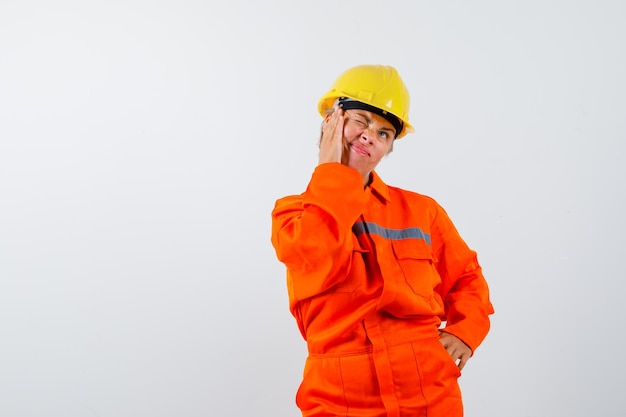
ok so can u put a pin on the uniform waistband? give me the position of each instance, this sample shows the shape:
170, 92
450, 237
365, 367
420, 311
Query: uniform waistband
377, 331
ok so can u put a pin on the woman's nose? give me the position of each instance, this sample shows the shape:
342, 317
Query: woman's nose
366, 135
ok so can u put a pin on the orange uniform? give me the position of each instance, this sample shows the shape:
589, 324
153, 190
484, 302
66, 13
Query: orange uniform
372, 273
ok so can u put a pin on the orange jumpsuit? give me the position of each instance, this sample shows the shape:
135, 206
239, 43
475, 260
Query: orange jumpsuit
372, 274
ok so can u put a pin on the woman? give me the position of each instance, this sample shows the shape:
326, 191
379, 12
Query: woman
390, 299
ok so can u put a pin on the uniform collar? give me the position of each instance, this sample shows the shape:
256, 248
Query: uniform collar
379, 188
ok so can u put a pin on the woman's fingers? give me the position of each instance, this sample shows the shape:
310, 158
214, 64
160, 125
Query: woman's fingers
331, 145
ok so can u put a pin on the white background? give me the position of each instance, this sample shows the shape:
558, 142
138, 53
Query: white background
143, 144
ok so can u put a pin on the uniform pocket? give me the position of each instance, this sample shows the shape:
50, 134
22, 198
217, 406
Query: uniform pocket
446, 359
416, 261
321, 386
357, 269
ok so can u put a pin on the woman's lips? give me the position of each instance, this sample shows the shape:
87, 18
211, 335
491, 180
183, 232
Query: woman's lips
361, 150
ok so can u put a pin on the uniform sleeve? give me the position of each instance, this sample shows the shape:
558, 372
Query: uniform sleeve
463, 287
312, 232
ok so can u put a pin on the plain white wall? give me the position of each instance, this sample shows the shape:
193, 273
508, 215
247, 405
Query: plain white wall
143, 144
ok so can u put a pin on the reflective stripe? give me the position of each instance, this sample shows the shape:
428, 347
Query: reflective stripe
391, 234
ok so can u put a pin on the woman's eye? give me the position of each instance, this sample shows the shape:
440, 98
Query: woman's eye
384, 134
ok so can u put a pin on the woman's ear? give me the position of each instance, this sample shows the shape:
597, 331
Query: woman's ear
328, 113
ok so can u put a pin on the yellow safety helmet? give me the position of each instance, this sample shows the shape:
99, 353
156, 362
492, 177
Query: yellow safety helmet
377, 86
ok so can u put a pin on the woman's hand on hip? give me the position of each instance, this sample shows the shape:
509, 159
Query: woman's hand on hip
458, 350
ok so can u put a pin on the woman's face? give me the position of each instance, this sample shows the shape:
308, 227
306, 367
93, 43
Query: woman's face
368, 137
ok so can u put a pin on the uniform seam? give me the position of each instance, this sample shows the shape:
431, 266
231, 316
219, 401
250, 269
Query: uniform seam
343, 387
419, 373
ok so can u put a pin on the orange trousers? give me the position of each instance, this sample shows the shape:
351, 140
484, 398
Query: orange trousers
408, 379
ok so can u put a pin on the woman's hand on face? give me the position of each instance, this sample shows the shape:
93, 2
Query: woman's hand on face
332, 143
